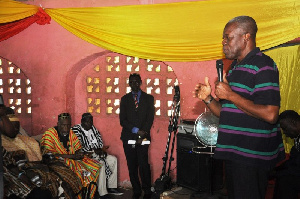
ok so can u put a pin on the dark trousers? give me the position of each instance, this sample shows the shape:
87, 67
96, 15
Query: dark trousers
287, 186
1, 184
246, 182
137, 162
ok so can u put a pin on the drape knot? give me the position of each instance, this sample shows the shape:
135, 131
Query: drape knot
42, 17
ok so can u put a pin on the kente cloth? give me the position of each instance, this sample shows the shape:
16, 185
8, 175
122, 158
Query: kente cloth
90, 140
87, 169
13, 182
18, 175
69, 180
23, 142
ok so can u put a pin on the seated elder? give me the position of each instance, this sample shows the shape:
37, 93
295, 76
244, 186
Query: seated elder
6, 128
17, 152
26, 176
21, 142
63, 144
288, 173
91, 141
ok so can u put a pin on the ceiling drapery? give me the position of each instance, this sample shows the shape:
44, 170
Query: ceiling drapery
185, 31
10, 29
288, 62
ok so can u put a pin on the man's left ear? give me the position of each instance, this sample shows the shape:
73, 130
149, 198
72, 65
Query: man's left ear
247, 37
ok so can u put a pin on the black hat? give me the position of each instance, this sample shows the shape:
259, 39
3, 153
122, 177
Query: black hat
86, 115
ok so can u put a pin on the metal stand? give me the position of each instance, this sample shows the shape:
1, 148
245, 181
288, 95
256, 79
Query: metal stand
164, 181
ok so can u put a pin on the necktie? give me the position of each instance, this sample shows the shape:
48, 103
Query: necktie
136, 101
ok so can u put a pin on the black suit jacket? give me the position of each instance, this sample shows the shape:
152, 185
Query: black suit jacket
141, 117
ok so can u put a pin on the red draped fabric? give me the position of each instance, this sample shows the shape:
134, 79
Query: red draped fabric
10, 29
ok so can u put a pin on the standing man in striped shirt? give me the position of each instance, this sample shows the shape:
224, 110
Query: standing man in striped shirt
249, 138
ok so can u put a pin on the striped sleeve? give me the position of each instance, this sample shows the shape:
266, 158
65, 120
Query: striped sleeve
49, 142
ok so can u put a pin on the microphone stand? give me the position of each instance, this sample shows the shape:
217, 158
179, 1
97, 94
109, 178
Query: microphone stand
164, 181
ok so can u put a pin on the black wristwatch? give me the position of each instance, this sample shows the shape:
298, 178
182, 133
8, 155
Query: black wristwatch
209, 101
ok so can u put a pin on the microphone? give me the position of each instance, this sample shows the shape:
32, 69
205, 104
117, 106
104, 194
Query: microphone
219, 65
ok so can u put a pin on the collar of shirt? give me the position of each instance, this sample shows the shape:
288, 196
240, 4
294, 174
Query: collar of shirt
255, 51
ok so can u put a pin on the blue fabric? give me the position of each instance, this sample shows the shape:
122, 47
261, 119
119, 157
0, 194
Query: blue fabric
135, 130
138, 95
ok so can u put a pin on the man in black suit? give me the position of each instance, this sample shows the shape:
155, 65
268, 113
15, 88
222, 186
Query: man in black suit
136, 118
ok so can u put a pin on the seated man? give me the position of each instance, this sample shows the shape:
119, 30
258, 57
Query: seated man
288, 173
62, 142
26, 176
21, 142
91, 141
25, 180
6, 128
10, 111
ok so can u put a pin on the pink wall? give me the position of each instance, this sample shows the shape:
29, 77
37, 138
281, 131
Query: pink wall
51, 56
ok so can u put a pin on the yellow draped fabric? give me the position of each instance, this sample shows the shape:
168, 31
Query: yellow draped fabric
185, 31
288, 62
12, 10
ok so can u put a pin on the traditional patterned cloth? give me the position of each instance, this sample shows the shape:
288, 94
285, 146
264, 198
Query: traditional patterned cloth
87, 137
22, 177
23, 142
14, 185
90, 140
18, 174
69, 182
51, 143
